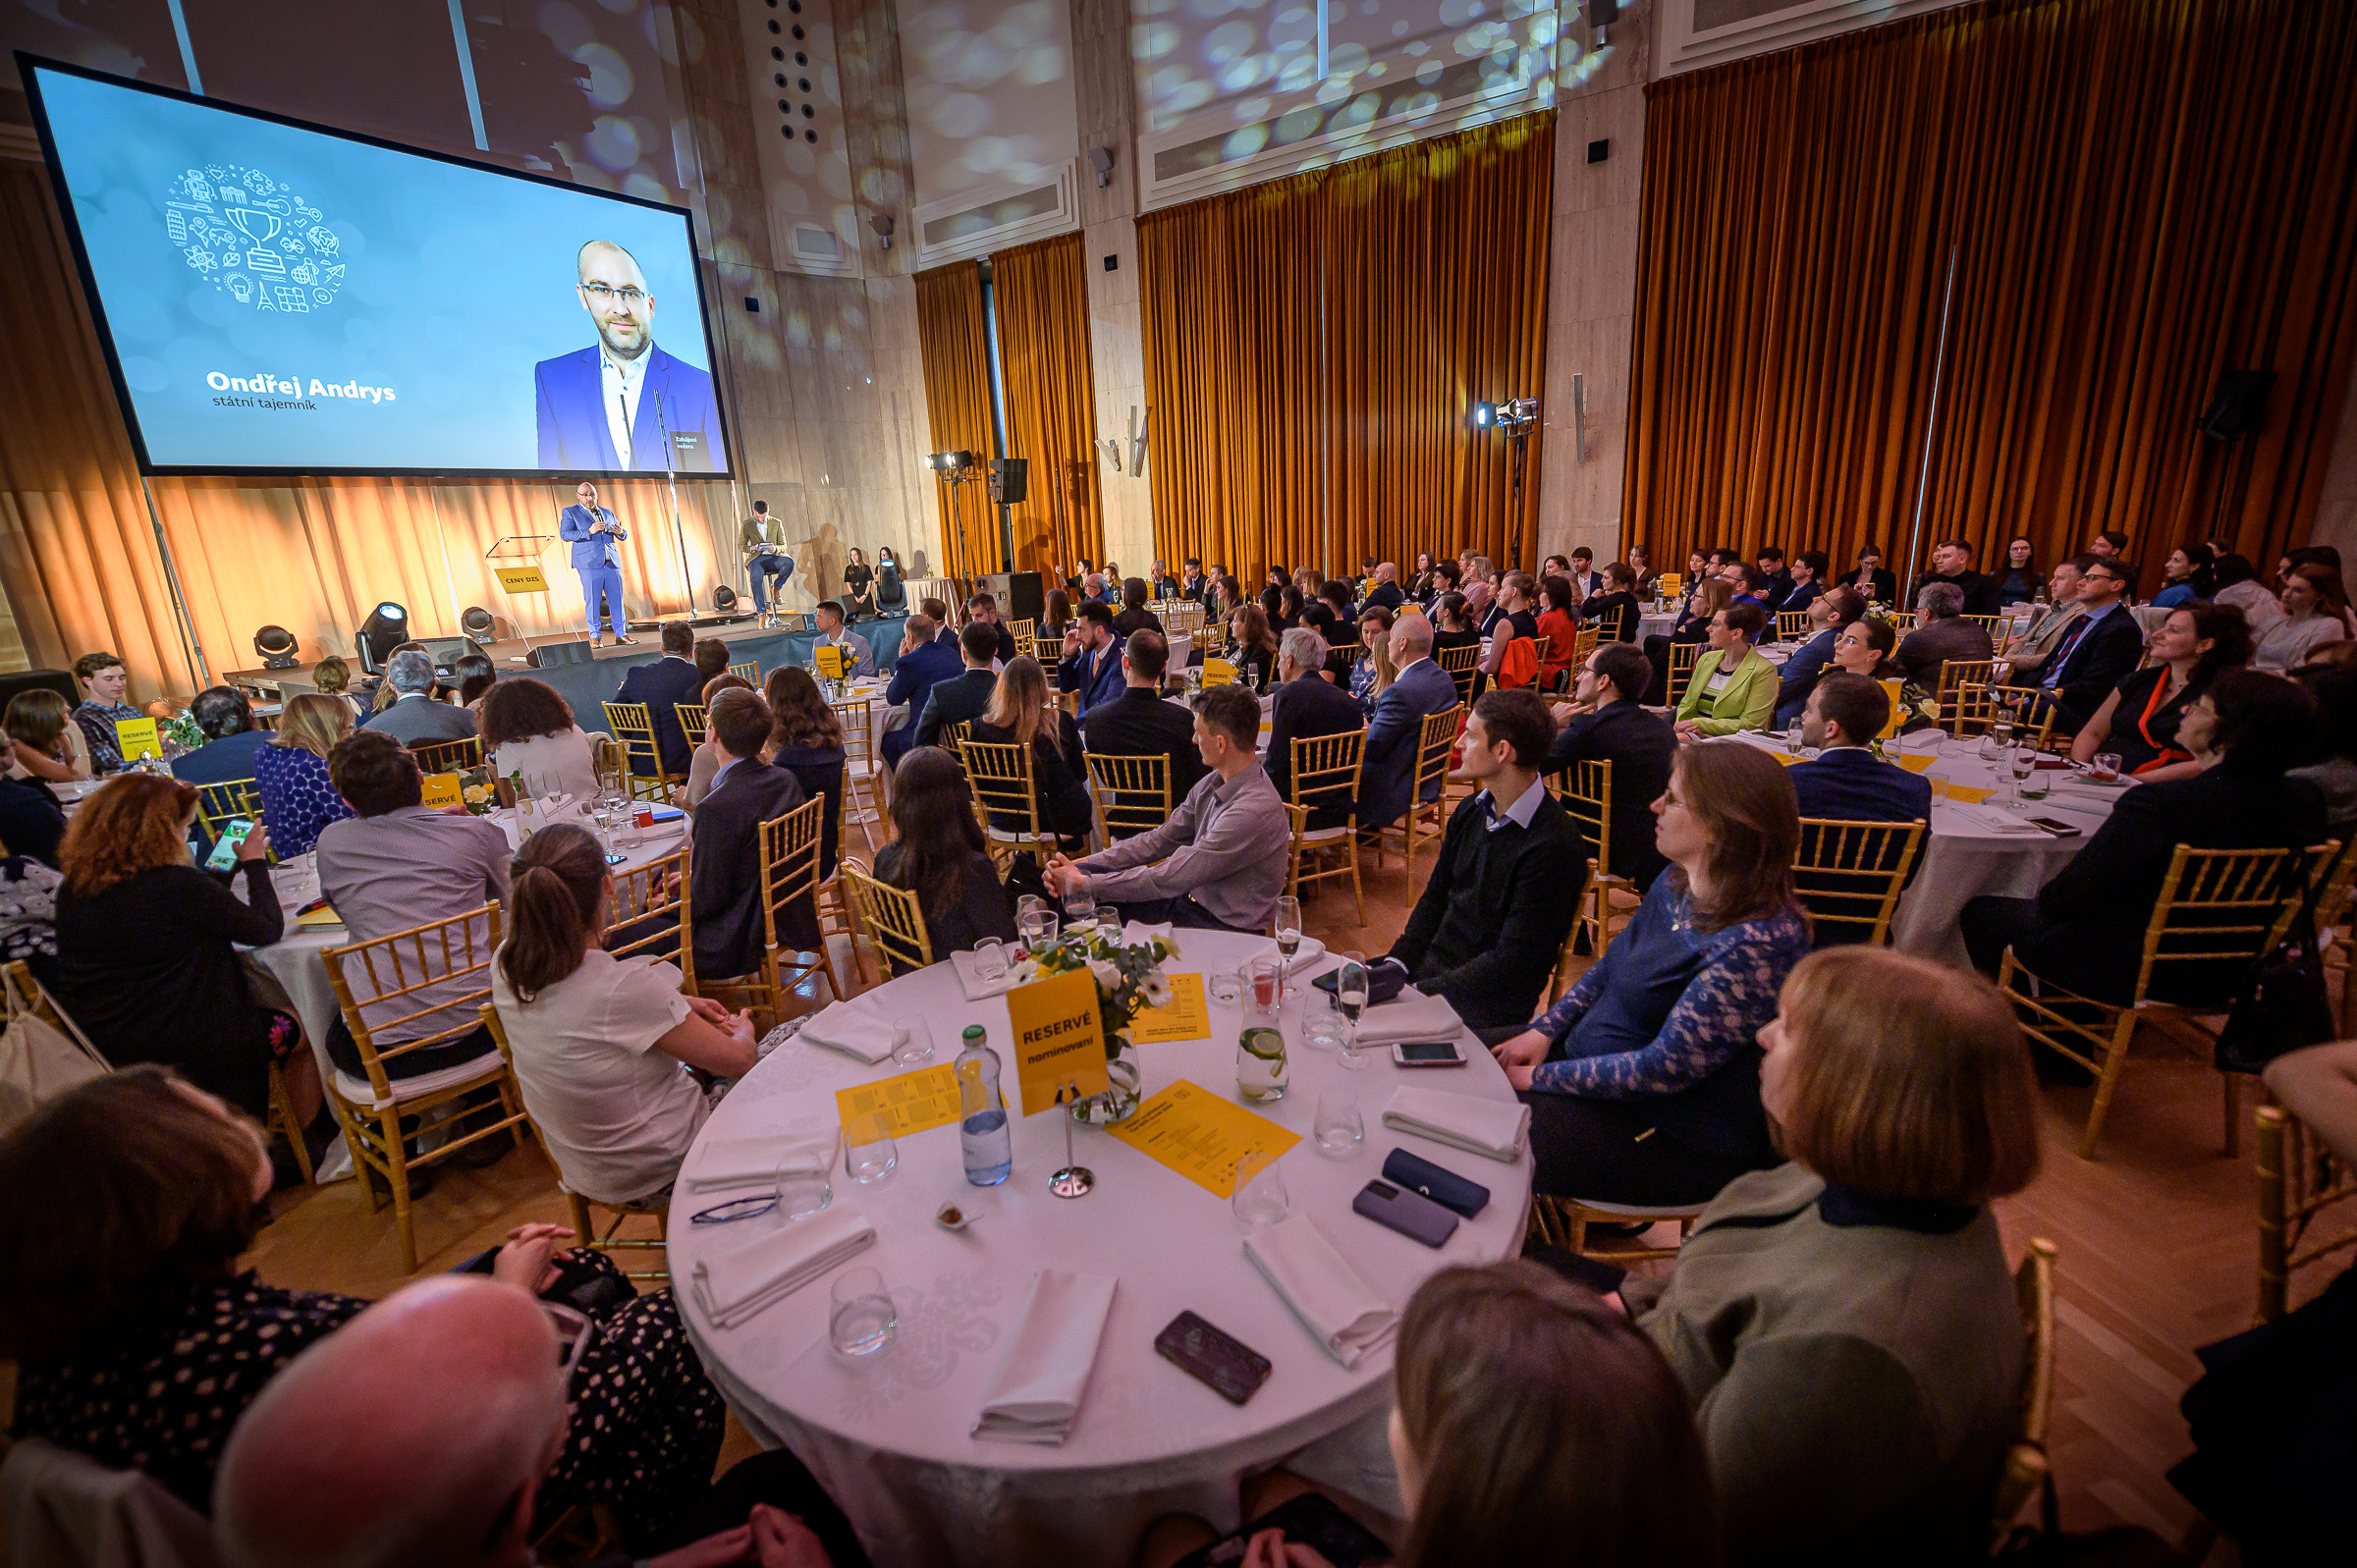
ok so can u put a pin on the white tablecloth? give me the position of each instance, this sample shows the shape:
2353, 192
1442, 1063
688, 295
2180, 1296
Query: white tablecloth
890, 1439
1657, 625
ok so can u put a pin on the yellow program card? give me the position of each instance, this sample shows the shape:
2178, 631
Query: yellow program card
911, 1101
1186, 1017
1201, 1135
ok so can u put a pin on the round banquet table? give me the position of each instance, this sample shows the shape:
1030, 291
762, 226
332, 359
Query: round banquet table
890, 1439
1658, 624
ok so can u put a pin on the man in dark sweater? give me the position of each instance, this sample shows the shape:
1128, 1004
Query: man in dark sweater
1140, 724
1490, 923
1640, 746
1952, 562
1306, 705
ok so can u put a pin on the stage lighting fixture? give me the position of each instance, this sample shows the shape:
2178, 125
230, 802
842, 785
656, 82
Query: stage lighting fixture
278, 648
949, 464
724, 598
386, 628
1485, 414
1511, 416
478, 624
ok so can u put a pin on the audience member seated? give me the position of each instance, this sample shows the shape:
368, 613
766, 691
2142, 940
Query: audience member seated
1952, 566
1559, 624
662, 687
395, 865
1644, 1081
807, 740
44, 741
1705, 598
2315, 610
857, 658
103, 681
529, 729
937, 853
1383, 586
2085, 929
290, 774
1863, 648
333, 676
711, 658
1941, 633
2234, 582
31, 822
1844, 1325
1220, 862
1372, 673
1806, 583
1615, 609
1304, 706
475, 677
2138, 722
2027, 654
1021, 713
1135, 616
1846, 781
1615, 727
1517, 606
962, 699
922, 663
1092, 658
725, 894
1253, 646
1734, 686
1058, 613
1490, 924
1140, 724
231, 738
601, 1046
2185, 577
2020, 581
2334, 770
982, 610
1871, 579
2095, 651
416, 716
704, 762
1827, 614
1397, 727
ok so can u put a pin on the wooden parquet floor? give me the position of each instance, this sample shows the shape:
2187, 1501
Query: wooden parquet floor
2157, 1249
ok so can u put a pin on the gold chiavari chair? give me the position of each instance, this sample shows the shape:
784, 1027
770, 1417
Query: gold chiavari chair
2217, 911
1681, 669
448, 756
864, 781
692, 720
1901, 622
219, 804
2026, 1470
894, 919
633, 724
748, 672
1585, 644
789, 865
1000, 774
1342, 657
1427, 820
1995, 625
1458, 665
1965, 706
2299, 1177
1791, 624
1326, 771
1024, 632
1849, 876
1048, 651
2335, 903
427, 984
609, 762
954, 733
1185, 618
1563, 1223
1607, 904
649, 914
1132, 795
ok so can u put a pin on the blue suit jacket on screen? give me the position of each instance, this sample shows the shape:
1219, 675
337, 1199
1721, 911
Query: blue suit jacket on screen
573, 430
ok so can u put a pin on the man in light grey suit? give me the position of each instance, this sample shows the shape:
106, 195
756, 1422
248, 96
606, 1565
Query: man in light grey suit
416, 716
1422, 689
2028, 653
857, 658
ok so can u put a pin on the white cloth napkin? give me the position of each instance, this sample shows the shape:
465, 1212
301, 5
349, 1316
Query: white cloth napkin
1325, 1292
1137, 933
735, 1285
1411, 1016
1496, 1128
1994, 821
1310, 952
852, 1029
976, 987
753, 1161
1035, 1393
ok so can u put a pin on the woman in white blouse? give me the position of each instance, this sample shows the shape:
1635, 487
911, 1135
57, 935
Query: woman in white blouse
528, 728
603, 1045
2315, 611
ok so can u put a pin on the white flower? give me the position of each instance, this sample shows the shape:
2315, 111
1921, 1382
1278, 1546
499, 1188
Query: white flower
1024, 973
1165, 948
1108, 978
1157, 990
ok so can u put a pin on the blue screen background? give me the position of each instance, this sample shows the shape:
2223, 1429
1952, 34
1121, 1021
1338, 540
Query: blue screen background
456, 283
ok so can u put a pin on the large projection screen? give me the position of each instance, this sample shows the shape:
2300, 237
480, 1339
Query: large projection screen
276, 298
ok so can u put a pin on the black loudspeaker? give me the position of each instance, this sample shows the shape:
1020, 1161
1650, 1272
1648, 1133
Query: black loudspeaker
59, 681
1010, 482
562, 653
1020, 594
1603, 13
2239, 405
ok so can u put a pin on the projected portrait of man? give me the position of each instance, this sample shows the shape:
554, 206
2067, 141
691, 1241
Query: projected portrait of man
623, 404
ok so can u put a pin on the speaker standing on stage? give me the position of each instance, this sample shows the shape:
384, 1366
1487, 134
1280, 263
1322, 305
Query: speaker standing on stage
596, 535
764, 546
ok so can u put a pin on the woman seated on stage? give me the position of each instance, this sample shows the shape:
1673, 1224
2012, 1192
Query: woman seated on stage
807, 742
858, 586
529, 729
2139, 721
290, 774
1644, 1081
1023, 712
937, 852
44, 741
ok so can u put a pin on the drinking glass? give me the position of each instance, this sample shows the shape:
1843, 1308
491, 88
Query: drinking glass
805, 1174
1261, 1070
1350, 1000
2025, 763
1025, 908
1322, 1028
1225, 989
1080, 912
911, 1040
1260, 1196
2104, 767
862, 1319
2038, 782
1338, 1129
990, 960
1288, 937
1038, 928
1263, 985
868, 1152
1793, 740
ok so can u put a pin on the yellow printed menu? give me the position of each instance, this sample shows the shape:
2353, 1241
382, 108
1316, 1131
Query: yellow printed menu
912, 1101
1058, 1040
1201, 1135
137, 739
1186, 1017
1917, 761
441, 789
1969, 795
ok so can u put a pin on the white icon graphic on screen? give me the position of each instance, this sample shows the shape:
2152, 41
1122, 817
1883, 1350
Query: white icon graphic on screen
256, 241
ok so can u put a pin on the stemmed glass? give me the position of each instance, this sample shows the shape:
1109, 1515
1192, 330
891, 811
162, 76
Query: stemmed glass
1350, 1000
1288, 941
606, 810
2025, 762
1080, 910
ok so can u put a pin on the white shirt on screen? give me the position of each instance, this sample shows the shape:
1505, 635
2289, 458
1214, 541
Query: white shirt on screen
622, 379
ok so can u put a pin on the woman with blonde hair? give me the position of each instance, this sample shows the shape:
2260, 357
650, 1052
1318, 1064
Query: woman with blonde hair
1022, 712
44, 741
289, 773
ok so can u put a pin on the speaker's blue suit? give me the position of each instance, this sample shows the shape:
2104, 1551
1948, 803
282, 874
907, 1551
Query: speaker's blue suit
574, 433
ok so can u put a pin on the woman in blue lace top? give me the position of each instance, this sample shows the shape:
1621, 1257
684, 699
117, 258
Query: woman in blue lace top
291, 773
1644, 1081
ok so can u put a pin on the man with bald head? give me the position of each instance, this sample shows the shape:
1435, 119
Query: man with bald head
1387, 761
625, 406
418, 1435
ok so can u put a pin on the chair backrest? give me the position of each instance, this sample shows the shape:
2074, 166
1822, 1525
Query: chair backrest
1584, 789
748, 672
649, 916
858, 740
448, 756
692, 720
1325, 770
1965, 706
1436, 740
1995, 625
1186, 615
1000, 773
633, 725
894, 917
1133, 793
219, 805
415, 987
2298, 1177
2218, 910
1585, 644
1901, 622
1048, 651
608, 761
2027, 1469
954, 733
1790, 623
1024, 632
789, 854
1849, 875
64, 1508
1458, 665
1682, 669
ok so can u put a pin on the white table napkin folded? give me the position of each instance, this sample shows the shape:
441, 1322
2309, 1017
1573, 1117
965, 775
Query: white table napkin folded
1325, 1292
1496, 1128
1996, 819
733, 1285
976, 987
753, 1162
1034, 1395
1411, 1016
1137, 933
852, 1029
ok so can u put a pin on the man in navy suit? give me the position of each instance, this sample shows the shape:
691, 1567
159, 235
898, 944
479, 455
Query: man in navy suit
662, 685
596, 536
623, 404
922, 665
1847, 782
1421, 690
2097, 650
1092, 657
1304, 706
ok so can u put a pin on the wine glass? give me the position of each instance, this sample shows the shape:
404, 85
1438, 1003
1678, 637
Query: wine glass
1080, 910
2025, 763
1288, 940
1350, 1000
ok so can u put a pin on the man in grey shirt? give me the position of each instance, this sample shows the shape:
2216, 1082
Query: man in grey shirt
1219, 862
416, 716
396, 866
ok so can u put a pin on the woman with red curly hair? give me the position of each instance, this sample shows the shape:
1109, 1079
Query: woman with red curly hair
147, 962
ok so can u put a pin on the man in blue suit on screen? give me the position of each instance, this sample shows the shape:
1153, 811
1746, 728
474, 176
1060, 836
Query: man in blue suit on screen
624, 405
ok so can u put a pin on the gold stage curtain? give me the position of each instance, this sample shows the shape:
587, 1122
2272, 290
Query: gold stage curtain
2135, 196
78, 549
1041, 296
957, 354
1314, 348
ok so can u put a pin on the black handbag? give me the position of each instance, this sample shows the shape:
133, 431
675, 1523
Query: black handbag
2283, 1005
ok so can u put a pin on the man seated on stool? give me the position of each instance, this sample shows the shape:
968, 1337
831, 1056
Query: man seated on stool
1140, 724
416, 717
1490, 923
1304, 706
923, 663
1219, 863
962, 699
857, 658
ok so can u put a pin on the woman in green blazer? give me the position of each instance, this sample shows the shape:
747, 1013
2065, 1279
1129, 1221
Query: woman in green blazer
1746, 698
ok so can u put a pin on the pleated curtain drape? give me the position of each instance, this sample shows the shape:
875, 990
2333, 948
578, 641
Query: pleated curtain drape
2130, 196
1314, 348
957, 357
1041, 296
78, 553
